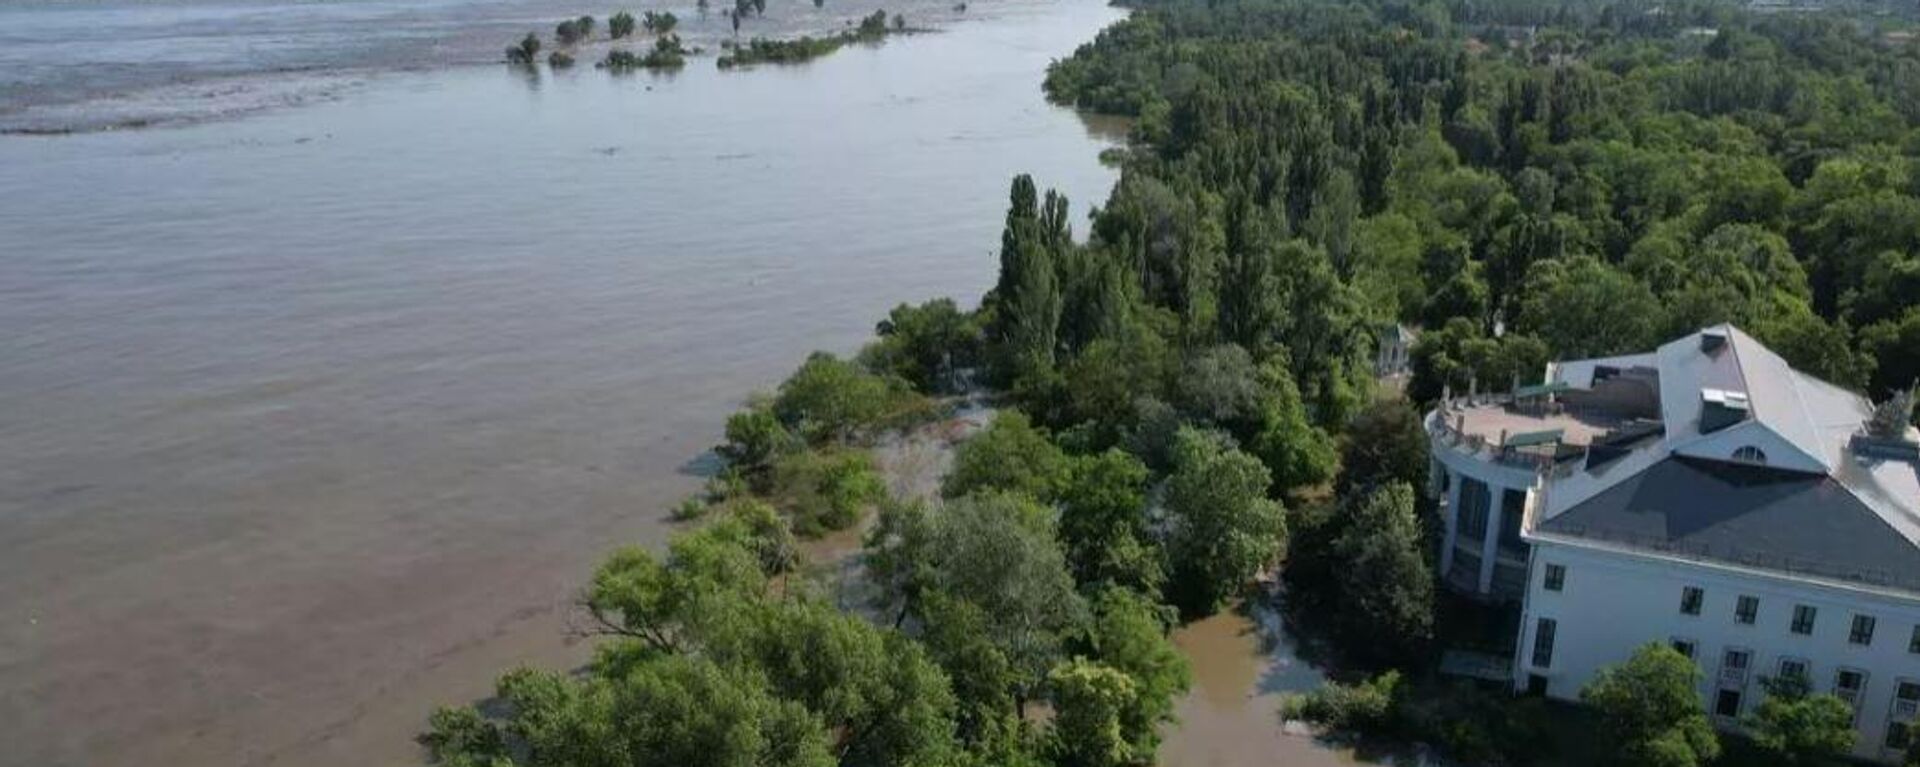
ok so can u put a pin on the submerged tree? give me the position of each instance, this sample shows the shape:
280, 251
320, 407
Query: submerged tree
620, 25
1224, 530
525, 52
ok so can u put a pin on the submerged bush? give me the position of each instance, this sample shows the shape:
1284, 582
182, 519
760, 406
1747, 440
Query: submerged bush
573, 30
559, 60
1358, 708
525, 52
661, 22
620, 25
667, 53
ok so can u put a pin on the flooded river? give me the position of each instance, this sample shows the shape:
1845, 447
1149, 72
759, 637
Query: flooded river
312, 420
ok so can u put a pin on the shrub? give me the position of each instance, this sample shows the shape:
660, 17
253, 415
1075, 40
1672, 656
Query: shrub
1367, 707
523, 53
620, 25
559, 60
689, 509
661, 22
754, 438
825, 490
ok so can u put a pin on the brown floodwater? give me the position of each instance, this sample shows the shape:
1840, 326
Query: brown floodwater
1243, 663
312, 421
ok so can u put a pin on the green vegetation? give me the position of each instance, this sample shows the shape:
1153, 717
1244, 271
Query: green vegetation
559, 59
525, 52
620, 25
660, 23
1367, 706
666, 53
1797, 728
1650, 707
574, 30
1185, 395
806, 48
1592, 188
1224, 528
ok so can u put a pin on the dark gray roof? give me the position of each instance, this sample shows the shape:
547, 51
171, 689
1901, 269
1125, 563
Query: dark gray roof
1745, 515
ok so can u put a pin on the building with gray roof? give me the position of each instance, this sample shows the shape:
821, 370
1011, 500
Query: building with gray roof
1704, 494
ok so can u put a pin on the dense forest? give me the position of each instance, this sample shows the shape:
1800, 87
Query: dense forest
1186, 399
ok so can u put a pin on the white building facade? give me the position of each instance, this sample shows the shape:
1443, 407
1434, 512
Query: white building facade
1705, 496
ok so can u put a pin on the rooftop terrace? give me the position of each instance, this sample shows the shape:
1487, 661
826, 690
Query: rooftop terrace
1531, 430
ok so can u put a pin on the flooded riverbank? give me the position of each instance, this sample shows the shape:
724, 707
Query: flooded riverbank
318, 419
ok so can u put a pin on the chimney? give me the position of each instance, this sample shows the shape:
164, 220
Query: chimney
1712, 340
1720, 408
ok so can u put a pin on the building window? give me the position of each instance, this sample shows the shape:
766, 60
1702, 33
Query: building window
1543, 643
1728, 704
1734, 662
1803, 616
1684, 647
1690, 599
1913, 642
1848, 685
1474, 501
1862, 632
1557, 580
1750, 454
1794, 668
1906, 705
1746, 609
1513, 506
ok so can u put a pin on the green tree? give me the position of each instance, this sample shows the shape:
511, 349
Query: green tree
1221, 386
755, 437
1583, 308
1027, 302
660, 23
1129, 633
668, 709
832, 400
1010, 455
1103, 523
1299, 454
1650, 707
1386, 600
1799, 729
620, 25
997, 552
1223, 529
526, 51
1386, 443
825, 490
1895, 348
1088, 700
926, 345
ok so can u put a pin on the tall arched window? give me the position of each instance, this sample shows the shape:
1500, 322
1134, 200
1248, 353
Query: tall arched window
1750, 454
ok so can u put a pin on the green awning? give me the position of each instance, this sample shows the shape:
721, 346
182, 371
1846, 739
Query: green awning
1531, 438
1537, 390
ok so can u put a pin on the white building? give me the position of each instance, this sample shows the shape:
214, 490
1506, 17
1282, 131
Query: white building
1706, 495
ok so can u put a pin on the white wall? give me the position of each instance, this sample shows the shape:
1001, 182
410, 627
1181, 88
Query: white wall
1499, 478
1613, 602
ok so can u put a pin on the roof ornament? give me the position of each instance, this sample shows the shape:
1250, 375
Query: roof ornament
1892, 418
